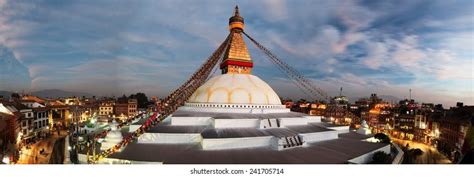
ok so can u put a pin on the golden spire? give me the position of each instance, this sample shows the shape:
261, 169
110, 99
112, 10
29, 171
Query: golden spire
236, 57
236, 22
236, 11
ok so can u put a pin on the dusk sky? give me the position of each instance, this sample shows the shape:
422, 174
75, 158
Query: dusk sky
111, 47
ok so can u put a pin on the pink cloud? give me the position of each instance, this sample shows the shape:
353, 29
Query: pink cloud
377, 55
276, 9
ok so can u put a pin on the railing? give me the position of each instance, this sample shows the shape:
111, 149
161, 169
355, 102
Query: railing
67, 151
398, 159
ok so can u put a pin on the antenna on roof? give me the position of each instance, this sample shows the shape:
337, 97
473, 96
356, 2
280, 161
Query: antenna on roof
410, 94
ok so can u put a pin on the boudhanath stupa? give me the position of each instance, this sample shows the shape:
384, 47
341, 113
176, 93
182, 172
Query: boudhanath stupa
237, 118
114, 136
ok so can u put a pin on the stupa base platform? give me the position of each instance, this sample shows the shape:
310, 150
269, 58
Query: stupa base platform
302, 140
336, 151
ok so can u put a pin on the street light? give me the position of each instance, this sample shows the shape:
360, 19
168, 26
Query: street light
6, 160
19, 138
77, 119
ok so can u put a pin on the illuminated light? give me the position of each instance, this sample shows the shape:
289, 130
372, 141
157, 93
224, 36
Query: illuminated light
6, 160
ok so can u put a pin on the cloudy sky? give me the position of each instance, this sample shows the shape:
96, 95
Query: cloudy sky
110, 47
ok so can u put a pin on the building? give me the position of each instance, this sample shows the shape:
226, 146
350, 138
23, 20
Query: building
34, 99
132, 108
34, 122
236, 117
453, 128
9, 117
106, 108
72, 101
422, 127
380, 117
121, 110
9, 131
121, 107
26, 120
27, 127
367, 103
337, 111
31, 103
374, 99
404, 119
89, 110
89, 101
317, 109
41, 122
405, 124
338, 115
369, 109
125, 107
59, 116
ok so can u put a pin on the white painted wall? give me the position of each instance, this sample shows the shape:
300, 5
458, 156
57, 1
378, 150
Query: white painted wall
266, 111
318, 136
313, 119
235, 143
170, 138
83, 160
236, 123
340, 129
367, 157
293, 121
191, 121
67, 158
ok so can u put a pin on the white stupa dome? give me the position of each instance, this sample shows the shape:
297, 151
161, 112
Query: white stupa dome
235, 88
364, 128
114, 136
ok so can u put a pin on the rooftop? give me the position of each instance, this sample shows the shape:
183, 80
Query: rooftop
336, 151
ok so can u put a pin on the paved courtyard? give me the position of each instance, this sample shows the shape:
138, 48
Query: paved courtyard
33, 156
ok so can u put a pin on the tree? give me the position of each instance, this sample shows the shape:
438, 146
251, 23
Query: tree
411, 155
302, 100
15, 96
142, 99
417, 152
468, 157
122, 99
383, 138
381, 157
